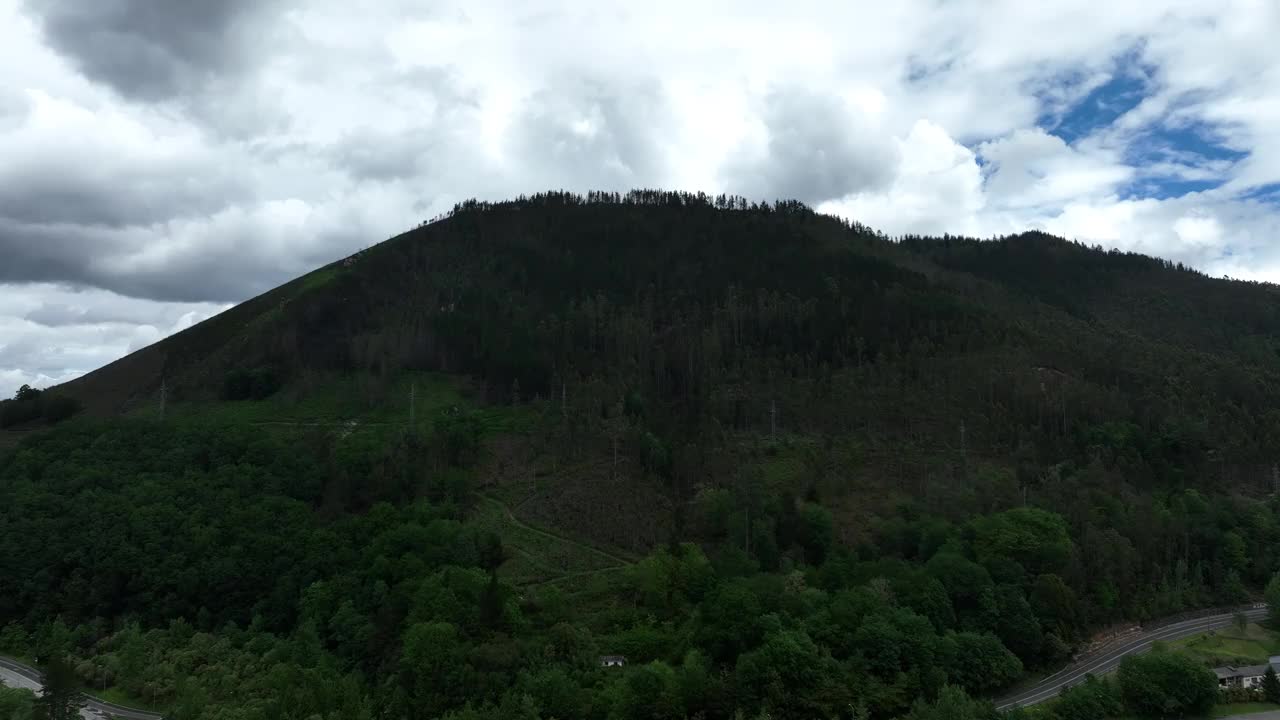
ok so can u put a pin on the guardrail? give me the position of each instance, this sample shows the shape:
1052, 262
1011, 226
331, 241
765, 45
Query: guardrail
1206, 612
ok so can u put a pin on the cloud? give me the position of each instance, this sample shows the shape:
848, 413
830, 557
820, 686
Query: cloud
164, 158
1033, 169
69, 163
50, 334
937, 189
586, 133
155, 50
816, 147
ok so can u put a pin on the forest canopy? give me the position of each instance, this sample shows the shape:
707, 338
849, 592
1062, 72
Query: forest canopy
780, 463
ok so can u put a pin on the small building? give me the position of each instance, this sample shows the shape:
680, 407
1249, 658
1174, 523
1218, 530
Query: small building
613, 660
1248, 677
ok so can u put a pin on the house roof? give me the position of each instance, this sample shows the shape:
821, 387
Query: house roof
1232, 671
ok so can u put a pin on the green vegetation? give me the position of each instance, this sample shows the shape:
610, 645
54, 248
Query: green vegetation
1165, 684
31, 406
1273, 601
17, 704
1249, 708
786, 467
536, 555
1230, 646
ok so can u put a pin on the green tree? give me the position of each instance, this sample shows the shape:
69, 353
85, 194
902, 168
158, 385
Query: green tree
1272, 595
815, 532
1164, 684
953, 703
1036, 539
60, 697
16, 703
1055, 603
788, 675
1092, 699
433, 667
979, 662
1271, 685
649, 692
1018, 628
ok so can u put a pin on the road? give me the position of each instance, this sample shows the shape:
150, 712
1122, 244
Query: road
1108, 658
15, 674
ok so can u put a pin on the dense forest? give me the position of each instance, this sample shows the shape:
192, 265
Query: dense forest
842, 475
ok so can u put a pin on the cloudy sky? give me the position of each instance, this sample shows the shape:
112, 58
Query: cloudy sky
161, 160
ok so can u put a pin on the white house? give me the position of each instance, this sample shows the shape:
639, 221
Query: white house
612, 660
1248, 677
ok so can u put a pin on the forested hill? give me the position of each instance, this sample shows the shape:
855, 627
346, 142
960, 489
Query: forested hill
716, 312
781, 462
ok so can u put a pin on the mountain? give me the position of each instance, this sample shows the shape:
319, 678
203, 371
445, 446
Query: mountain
673, 405
707, 320
713, 312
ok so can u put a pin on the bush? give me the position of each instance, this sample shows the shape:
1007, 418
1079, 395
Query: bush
1089, 700
1164, 684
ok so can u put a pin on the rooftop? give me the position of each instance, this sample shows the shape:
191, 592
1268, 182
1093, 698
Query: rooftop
1232, 671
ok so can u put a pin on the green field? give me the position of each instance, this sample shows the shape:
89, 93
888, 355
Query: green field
1230, 646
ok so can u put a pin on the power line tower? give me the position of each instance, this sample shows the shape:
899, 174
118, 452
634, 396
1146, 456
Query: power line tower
413, 403
164, 393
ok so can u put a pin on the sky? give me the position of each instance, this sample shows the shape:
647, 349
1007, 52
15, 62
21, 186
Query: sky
161, 161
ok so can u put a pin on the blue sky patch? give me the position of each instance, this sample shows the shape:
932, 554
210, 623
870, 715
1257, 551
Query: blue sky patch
1269, 193
1103, 105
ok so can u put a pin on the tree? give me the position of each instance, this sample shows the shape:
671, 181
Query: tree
1164, 684
60, 697
1018, 628
1034, 538
1272, 594
1092, 699
979, 662
815, 532
433, 668
1271, 685
16, 703
1241, 620
953, 703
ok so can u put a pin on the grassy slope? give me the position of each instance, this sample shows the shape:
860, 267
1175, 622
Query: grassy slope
1230, 646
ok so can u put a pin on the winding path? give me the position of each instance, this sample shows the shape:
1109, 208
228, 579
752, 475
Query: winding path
1108, 658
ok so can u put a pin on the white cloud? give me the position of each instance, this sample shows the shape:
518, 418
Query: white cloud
911, 116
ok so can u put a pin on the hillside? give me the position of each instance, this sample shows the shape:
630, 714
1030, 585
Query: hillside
713, 322
667, 407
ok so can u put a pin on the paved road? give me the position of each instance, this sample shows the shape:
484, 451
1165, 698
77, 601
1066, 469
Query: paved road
1108, 658
1273, 715
15, 674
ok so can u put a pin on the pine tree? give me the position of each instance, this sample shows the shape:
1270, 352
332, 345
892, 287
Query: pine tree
60, 697
1271, 685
